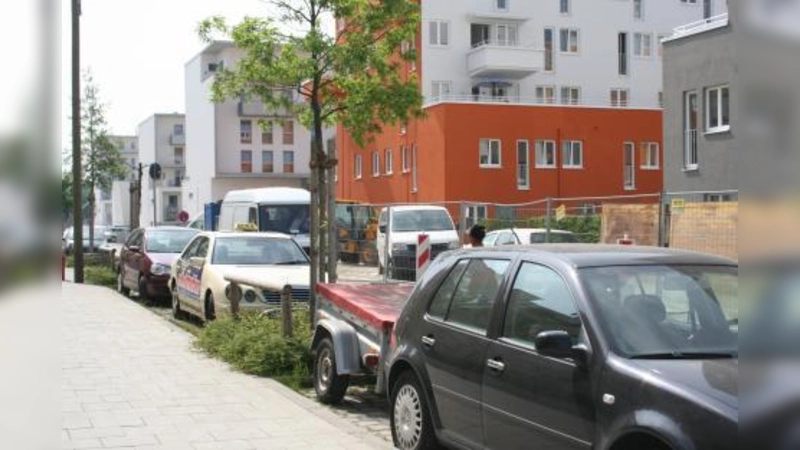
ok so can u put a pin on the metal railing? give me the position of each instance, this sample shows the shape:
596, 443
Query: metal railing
701, 25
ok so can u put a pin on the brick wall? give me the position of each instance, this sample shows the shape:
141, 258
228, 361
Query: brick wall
638, 222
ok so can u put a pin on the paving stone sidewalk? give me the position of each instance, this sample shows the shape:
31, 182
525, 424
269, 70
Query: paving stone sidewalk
131, 380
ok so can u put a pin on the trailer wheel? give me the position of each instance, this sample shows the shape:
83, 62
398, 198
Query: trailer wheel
329, 385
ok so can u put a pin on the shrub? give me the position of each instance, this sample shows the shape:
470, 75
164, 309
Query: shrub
100, 276
587, 228
255, 345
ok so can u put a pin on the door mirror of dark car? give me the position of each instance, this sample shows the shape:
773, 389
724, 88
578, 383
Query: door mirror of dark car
382, 229
558, 344
134, 249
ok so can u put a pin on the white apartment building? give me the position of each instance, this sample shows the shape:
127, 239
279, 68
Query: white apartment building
129, 150
237, 144
578, 52
162, 139
107, 211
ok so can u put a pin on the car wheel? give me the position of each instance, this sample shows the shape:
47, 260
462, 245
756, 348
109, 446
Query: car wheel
177, 313
210, 314
412, 428
142, 286
328, 384
121, 284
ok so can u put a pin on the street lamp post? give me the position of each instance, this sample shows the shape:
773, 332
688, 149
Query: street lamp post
77, 191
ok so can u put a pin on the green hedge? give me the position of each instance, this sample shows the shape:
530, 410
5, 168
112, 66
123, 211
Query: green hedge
255, 345
587, 228
100, 276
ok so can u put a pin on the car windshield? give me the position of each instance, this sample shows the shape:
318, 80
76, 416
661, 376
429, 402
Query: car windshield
287, 219
555, 238
421, 220
168, 241
667, 311
257, 250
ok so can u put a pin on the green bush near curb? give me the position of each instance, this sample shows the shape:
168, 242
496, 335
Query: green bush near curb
255, 345
586, 228
100, 276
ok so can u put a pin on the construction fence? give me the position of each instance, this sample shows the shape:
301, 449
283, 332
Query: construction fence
700, 221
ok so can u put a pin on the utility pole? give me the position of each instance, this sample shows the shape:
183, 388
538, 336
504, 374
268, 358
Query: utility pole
77, 183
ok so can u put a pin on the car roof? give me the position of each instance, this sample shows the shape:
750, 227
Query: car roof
167, 228
599, 255
272, 195
530, 230
245, 234
417, 208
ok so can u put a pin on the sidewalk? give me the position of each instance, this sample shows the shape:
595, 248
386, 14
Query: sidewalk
131, 380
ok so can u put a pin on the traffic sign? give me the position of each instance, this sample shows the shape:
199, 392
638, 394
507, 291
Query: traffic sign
183, 216
561, 213
155, 171
677, 205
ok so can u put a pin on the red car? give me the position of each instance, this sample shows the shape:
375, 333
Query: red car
146, 260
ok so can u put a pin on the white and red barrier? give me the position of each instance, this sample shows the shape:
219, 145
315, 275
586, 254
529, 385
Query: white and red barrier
423, 253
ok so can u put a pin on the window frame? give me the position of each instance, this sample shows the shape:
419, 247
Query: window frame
489, 164
388, 162
437, 93
577, 44
638, 10
245, 136
414, 174
505, 8
544, 99
549, 53
567, 163
286, 168
646, 155
639, 40
406, 161
541, 144
629, 148
358, 167
719, 127
439, 25
561, 7
691, 134
527, 184
376, 164
619, 102
271, 154
287, 132
570, 100
268, 133
242, 161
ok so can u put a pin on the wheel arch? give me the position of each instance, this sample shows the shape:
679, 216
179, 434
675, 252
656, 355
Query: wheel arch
345, 344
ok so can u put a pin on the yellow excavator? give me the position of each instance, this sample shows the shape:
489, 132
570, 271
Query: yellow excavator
356, 231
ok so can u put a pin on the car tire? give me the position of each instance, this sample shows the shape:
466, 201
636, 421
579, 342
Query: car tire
142, 286
177, 313
410, 418
121, 284
209, 312
328, 384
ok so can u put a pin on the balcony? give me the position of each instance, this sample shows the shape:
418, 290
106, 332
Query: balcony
507, 60
177, 139
257, 108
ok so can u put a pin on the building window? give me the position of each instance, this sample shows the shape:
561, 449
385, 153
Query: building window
549, 48
643, 45
545, 154
629, 166
564, 6
619, 98
523, 165
246, 131
476, 214
650, 155
267, 161
501, 5
490, 153
622, 49
288, 161
178, 156
376, 164
247, 161
717, 109
414, 184
545, 95
439, 33
569, 40
717, 198
572, 157
660, 99
440, 90
570, 95
405, 157
638, 9
266, 133
691, 122
288, 132
689, 2
177, 130
388, 161
357, 167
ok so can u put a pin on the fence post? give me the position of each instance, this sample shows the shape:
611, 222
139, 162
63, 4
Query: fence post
235, 296
286, 310
386, 245
462, 219
548, 221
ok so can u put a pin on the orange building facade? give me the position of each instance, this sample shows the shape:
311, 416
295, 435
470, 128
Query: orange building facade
506, 154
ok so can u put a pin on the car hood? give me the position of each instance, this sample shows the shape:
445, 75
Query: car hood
436, 237
167, 259
714, 379
293, 275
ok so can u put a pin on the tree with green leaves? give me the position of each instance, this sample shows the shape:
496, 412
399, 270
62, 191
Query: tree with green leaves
352, 76
102, 161
66, 194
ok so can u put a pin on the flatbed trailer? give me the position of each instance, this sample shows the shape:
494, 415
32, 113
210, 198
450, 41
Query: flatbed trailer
352, 333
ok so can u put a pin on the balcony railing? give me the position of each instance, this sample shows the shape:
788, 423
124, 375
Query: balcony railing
504, 58
177, 139
700, 26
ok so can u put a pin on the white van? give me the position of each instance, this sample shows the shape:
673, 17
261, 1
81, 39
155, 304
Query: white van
277, 209
403, 225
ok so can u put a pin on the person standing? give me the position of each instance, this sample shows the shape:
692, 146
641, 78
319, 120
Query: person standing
475, 236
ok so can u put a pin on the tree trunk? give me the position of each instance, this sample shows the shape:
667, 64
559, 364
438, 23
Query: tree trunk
333, 243
323, 220
314, 250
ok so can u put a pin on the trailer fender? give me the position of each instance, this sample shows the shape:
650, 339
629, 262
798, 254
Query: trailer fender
345, 344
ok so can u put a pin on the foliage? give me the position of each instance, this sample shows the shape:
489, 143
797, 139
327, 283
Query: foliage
102, 161
587, 228
66, 194
255, 345
100, 275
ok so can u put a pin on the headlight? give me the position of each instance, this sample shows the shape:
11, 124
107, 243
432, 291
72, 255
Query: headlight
160, 269
455, 245
250, 296
399, 247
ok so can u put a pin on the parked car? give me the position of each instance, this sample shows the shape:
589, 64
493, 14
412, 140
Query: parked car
116, 234
68, 239
525, 236
401, 226
570, 346
198, 285
146, 259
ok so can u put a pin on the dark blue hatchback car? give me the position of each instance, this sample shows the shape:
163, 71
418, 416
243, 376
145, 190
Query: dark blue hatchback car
568, 347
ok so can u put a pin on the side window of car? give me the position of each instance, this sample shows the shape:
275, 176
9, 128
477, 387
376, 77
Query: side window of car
490, 239
441, 301
506, 238
136, 239
476, 293
540, 301
202, 249
191, 249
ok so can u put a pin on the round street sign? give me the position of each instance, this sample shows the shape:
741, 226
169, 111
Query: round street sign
183, 216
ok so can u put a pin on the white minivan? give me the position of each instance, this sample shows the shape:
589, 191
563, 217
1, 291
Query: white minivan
402, 225
276, 209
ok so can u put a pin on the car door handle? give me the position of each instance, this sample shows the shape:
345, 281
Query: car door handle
428, 341
496, 365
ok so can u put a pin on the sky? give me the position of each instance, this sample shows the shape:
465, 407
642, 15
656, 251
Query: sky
136, 50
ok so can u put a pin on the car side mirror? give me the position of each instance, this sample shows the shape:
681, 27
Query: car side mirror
558, 344
382, 229
134, 249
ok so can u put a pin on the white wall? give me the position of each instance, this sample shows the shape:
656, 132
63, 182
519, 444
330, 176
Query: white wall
594, 68
200, 138
154, 146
